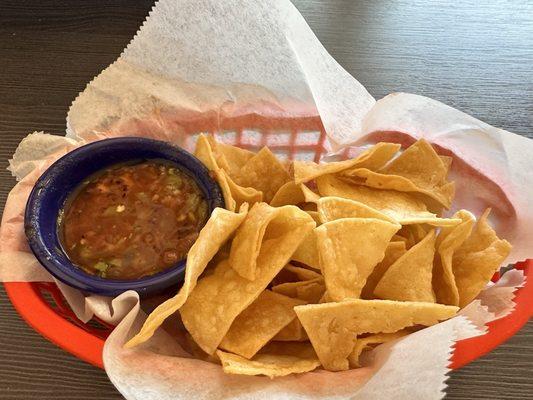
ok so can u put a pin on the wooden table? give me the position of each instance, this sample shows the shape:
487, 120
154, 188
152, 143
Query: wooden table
474, 57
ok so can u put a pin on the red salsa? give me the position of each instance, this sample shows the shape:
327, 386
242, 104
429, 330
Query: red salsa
132, 221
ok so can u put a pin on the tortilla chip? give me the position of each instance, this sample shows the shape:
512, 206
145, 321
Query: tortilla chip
421, 165
213, 235
373, 158
349, 249
410, 277
220, 297
315, 216
478, 258
241, 194
400, 206
294, 331
307, 252
205, 154
293, 194
333, 327
447, 162
230, 158
414, 233
448, 241
263, 172
234, 195
332, 208
310, 291
442, 194
266, 364
393, 251
365, 343
259, 323
292, 273
295, 349
249, 237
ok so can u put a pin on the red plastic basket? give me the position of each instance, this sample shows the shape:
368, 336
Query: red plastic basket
43, 307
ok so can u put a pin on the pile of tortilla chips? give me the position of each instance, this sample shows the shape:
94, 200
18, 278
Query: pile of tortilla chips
312, 264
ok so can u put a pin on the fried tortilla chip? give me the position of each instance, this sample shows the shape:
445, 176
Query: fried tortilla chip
349, 249
234, 195
333, 327
249, 237
292, 273
447, 162
307, 252
332, 208
264, 173
220, 297
294, 331
315, 216
259, 323
373, 158
400, 206
410, 277
421, 165
365, 343
293, 194
295, 349
238, 193
393, 251
271, 365
213, 235
362, 176
310, 291
478, 258
230, 158
448, 241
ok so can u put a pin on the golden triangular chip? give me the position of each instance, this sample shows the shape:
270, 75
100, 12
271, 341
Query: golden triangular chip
478, 258
293, 194
234, 195
373, 158
398, 205
393, 251
310, 290
448, 241
220, 297
362, 176
230, 158
259, 323
410, 277
213, 235
294, 331
292, 273
249, 237
421, 165
365, 343
333, 327
271, 365
307, 252
349, 249
332, 208
264, 173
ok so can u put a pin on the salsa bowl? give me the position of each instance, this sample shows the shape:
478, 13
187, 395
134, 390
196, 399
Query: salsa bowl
47, 202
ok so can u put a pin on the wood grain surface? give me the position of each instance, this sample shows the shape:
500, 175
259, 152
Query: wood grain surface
473, 55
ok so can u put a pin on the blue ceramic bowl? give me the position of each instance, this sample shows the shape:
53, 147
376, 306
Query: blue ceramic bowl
48, 197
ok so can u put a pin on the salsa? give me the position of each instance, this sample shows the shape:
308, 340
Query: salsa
133, 221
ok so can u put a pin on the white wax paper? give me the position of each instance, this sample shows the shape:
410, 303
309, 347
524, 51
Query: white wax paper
208, 59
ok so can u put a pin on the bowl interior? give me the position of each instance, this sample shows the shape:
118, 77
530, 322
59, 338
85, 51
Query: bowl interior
53, 188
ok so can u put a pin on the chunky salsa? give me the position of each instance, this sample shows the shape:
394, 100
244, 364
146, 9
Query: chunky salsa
133, 221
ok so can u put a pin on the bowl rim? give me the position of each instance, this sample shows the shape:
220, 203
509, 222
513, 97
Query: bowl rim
74, 276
